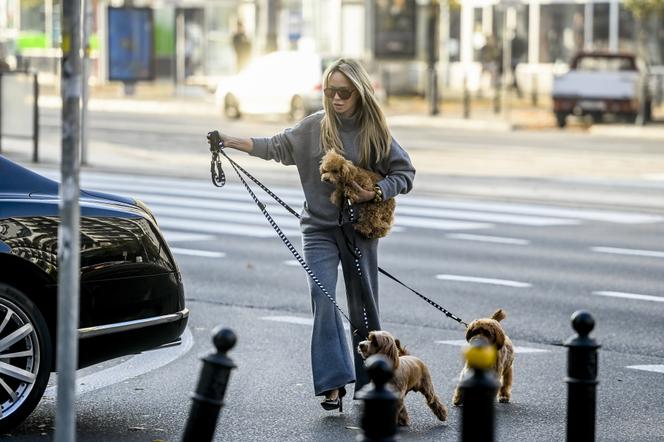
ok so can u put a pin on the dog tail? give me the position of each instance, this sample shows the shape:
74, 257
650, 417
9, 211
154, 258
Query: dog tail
499, 315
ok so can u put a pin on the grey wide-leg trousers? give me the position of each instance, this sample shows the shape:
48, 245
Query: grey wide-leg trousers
332, 364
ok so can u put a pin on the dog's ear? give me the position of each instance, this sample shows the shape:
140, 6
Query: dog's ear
499, 336
499, 315
402, 350
388, 347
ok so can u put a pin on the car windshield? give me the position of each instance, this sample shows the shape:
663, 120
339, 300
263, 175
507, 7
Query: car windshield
598, 63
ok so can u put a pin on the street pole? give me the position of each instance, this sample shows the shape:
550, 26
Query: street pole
85, 74
432, 55
68, 234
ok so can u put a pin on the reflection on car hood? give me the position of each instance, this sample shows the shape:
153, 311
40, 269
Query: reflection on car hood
17, 182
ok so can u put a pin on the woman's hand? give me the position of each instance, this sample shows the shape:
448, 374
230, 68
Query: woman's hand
363, 195
243, 144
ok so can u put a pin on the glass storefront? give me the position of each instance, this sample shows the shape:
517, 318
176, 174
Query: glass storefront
561, 32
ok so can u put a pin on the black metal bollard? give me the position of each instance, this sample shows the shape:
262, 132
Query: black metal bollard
581, 379
209, 396
478, 391
379, 415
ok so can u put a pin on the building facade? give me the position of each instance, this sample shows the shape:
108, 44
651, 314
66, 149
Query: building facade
193, 39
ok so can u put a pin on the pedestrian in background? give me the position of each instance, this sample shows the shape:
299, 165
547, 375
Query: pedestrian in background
352, 124
241, 46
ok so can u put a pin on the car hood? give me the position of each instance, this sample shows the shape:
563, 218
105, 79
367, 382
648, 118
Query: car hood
18, 182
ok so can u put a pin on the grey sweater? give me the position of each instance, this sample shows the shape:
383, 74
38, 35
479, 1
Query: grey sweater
301, 146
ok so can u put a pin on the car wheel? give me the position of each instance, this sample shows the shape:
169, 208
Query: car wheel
561, 119
231, 107
25, 356
297, 109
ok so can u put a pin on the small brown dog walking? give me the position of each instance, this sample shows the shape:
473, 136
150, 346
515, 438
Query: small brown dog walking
491, 330
375, 219
410, 373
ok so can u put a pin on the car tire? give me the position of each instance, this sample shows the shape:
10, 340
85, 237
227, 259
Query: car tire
231, 107
25, 361
297, 109
561, 119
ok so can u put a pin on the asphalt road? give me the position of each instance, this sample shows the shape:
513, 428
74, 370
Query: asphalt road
538, 244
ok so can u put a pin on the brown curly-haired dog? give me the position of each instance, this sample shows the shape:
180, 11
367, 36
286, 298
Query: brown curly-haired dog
491, 330
375, 219
410, 373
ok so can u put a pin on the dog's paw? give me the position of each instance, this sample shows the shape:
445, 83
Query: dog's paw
504, 399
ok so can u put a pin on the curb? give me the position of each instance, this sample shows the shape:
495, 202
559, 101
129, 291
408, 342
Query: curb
629, 131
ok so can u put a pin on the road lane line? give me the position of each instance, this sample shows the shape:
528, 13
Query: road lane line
294, 320
487, 238
653, 368
477, 215
193, 252
173, 236
635, 252
517, 349
479, 280
630, 296
135, 366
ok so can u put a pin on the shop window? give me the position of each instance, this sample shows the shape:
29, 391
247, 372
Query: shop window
626, 36
454, 42
520, 40
601, 26
561, 32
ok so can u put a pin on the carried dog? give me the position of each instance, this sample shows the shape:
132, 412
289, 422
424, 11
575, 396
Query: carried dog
375, 218
410, 373
491, 330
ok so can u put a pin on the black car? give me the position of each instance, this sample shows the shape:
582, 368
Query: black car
131, 292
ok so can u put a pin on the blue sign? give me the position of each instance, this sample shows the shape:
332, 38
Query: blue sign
130, 44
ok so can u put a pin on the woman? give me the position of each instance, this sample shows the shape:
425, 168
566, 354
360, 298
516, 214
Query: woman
352, 124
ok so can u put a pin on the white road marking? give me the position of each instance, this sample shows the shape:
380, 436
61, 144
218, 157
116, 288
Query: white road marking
517, 349
439, 224
534, 209
525, 220
173, 236
505, 282
630, 296
131, 368
635, 252
653, 368
193, 252
487, 238
295, 320
213, 227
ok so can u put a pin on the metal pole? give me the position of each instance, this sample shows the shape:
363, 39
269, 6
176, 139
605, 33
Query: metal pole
581, 379
209, 396
68, 235
379, 414
432, 56
478, 391
0, 112
85, 73
35, 119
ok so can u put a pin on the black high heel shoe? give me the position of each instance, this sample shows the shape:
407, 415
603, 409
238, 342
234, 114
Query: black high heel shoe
333, 404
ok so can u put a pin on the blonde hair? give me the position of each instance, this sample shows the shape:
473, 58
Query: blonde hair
374, 135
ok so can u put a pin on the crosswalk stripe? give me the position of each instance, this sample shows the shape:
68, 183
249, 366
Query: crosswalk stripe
630, 296
652, 368
484, 216
201, 253
480, 280
294, 320
194, 206
634, 252
221, 228
517, 349
173, 236
487, 238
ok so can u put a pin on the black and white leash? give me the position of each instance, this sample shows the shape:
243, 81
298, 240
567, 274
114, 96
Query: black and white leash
218, 179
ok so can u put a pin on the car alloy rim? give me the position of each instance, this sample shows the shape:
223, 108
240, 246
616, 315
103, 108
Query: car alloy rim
19, 357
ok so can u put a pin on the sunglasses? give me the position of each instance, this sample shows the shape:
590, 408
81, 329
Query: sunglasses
343, 92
